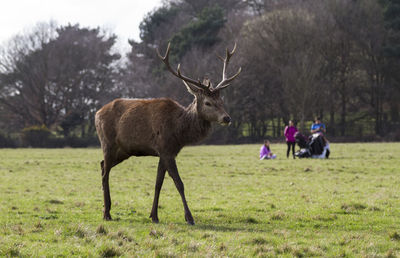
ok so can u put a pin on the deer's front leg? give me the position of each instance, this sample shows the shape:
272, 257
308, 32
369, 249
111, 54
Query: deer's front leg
159, 182
173, 172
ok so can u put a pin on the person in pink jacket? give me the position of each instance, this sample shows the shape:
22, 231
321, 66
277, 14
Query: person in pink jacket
289, 132
265, 151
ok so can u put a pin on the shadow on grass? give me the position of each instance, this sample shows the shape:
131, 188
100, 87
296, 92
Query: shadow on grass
330, 158
245, 225
234, 228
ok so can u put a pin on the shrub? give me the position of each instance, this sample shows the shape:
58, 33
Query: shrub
41, 137
54, 142
76, 142
7, 142
36, 136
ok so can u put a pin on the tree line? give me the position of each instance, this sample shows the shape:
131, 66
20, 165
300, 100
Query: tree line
336, 59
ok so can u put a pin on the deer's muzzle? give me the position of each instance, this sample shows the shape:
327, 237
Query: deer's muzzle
226, 120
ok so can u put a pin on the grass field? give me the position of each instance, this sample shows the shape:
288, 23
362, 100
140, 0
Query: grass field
349, 205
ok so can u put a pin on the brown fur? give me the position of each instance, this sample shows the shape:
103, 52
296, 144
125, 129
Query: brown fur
140, 127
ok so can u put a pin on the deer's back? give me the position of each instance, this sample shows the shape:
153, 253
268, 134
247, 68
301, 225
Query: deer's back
138, 127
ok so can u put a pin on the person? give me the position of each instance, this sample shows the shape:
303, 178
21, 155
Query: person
290, 131
318, 126
325, 151
265, 151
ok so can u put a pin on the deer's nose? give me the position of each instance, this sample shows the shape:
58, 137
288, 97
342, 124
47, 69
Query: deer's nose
227, 119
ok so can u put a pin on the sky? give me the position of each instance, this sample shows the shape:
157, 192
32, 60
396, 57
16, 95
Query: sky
121, 17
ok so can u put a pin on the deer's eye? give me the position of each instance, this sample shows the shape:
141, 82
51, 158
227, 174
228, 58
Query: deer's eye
207, 103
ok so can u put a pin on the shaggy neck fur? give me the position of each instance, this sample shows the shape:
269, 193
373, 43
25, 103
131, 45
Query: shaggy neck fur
193, 127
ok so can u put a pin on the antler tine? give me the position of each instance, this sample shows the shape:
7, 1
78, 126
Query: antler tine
233, 50
198, 83
225, 81
229, 54
166, 53
221, 58
178, 73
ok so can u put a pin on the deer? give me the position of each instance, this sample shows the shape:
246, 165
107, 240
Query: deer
160, 127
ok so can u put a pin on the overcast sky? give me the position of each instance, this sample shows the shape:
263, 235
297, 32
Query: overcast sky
121, 16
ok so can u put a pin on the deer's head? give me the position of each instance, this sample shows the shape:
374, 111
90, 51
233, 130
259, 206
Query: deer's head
210, 105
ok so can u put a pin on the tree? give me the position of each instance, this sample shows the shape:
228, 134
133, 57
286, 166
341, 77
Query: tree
282, 53
201, 32
339, 67
190, 32
84, 71
392, 52
370, 36
23, 76
68, 70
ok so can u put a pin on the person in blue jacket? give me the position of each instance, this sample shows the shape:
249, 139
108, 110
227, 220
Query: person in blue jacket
318, 126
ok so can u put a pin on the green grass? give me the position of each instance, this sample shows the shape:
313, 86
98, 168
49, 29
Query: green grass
51, 204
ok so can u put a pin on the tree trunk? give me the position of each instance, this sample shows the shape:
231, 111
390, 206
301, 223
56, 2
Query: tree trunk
332, 129
343, 116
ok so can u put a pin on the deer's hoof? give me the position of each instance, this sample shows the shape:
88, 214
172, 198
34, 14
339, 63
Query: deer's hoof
107, 217
154, 218
189, 219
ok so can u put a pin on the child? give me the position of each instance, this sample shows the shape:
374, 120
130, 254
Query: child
265, 151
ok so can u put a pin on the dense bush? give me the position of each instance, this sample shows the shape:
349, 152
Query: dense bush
76, 142
36, 136
41, 137
7, 142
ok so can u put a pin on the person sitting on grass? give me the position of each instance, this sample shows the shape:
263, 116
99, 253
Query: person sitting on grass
265, 151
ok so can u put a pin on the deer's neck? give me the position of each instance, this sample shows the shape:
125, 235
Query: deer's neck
193, 127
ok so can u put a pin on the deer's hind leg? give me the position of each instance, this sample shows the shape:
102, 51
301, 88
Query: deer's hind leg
106, 165
105, 172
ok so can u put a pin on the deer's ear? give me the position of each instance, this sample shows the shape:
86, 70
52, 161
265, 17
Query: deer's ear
192, 89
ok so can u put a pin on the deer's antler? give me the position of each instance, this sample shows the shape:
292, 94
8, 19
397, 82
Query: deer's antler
178, 73
225, 81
